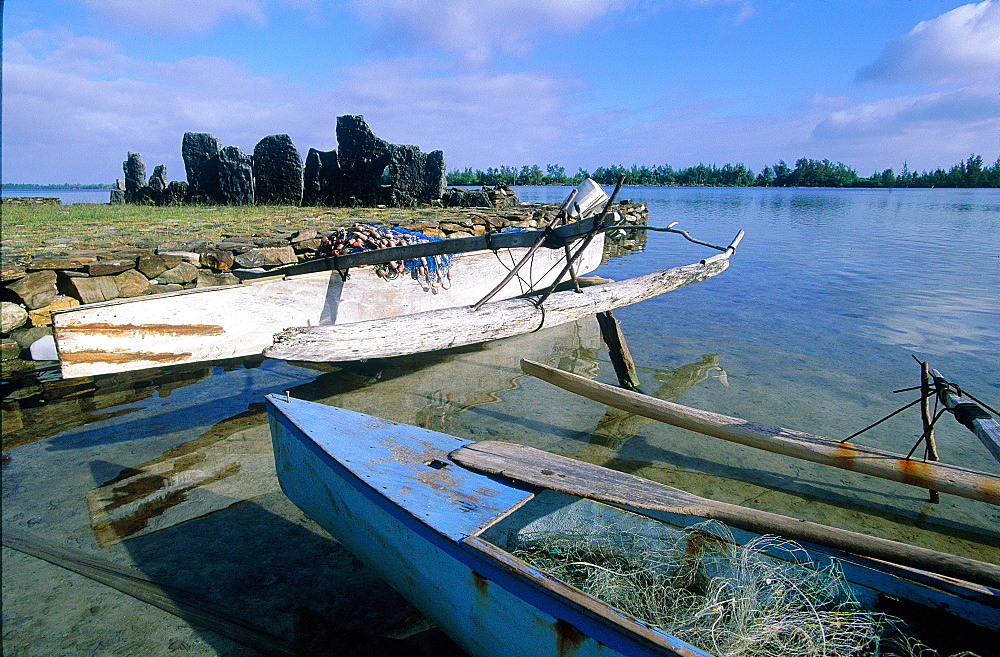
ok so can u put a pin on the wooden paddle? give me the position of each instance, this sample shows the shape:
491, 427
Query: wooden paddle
539, 468
942, 477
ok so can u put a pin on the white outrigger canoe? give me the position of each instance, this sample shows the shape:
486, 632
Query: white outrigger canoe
214, 323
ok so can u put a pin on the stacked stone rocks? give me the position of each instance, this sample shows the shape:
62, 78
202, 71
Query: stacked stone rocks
364, 171
370, 171
499, 198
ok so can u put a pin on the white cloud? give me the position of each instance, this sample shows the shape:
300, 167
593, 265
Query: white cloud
946, 110
74, 106
956, 55
746, 8
475, 31
178, 16
957, 47
927, 130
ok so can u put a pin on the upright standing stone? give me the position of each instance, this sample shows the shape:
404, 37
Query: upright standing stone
322, 178
405, 174
277, 171
374, 172
176, 193
436, 181
200, 151
135, 177
235, 177
363, 159
156, 188
118, 193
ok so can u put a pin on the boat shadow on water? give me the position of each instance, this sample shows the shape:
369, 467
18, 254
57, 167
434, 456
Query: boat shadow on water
247, 578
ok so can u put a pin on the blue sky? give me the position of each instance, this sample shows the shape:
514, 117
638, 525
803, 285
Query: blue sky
581, 83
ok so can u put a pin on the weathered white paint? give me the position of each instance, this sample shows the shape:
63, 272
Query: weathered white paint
240, 320
455, 327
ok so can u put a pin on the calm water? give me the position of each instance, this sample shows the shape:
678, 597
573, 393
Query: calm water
67, 196
813, 326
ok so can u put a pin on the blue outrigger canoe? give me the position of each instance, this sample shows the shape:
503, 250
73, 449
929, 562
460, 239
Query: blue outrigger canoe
407, 503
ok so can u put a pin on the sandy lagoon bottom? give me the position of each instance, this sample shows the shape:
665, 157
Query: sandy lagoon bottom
170, 473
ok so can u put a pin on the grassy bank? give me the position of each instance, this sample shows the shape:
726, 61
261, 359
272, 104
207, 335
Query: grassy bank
30, 229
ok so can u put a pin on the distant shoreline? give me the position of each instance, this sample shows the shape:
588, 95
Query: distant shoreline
19, 187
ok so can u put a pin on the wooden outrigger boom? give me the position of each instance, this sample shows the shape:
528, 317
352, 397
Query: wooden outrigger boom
942, 477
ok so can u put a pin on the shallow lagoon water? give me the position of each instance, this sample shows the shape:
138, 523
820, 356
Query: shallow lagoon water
811, 328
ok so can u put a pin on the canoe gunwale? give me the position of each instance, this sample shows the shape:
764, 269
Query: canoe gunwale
495, 241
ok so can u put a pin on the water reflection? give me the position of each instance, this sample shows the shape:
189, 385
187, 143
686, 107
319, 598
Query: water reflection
617, 425
38, 409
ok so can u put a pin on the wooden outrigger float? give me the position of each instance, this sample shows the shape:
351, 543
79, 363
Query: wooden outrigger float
455, 327
439, 519
931, 475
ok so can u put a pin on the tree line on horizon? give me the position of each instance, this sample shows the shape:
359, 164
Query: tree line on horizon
23, 186
806, 173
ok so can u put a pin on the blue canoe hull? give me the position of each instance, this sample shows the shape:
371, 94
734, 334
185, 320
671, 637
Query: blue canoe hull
431, 528
380, 489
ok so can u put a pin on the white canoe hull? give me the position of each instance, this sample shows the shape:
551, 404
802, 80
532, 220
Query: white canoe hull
206, 324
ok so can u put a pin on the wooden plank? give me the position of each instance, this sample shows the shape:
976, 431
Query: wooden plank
942, 477
533, 466
455, 327
170, 599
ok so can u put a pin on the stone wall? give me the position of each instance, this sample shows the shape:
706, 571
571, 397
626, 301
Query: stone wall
363, 171
35, 286
29, 200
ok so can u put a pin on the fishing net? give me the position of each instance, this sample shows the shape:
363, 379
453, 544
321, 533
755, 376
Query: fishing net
763, 599
434, 270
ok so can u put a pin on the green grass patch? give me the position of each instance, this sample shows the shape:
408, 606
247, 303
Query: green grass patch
34, 228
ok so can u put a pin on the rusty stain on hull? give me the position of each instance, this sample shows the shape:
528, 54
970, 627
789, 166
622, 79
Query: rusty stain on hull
121, 356
568, 638
105, 328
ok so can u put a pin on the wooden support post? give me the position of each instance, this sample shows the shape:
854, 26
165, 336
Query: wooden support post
925, 416
611, 331
572, 269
